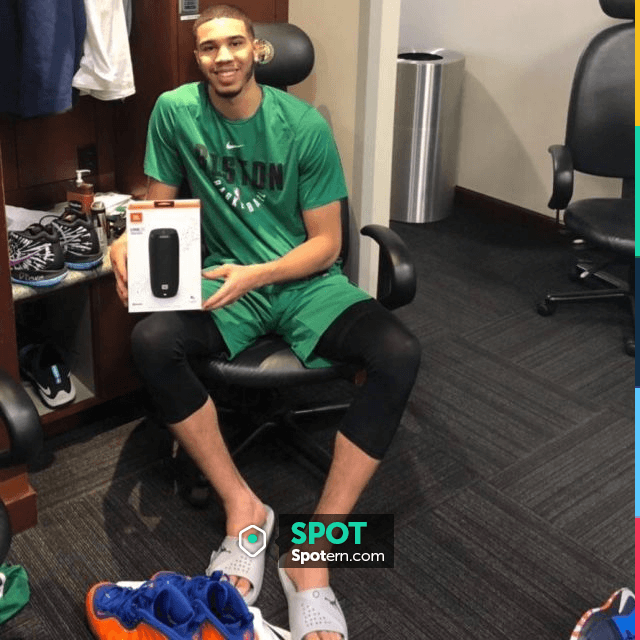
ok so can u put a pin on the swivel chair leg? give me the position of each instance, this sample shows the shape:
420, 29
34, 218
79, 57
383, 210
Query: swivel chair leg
550, 304
630, 342
310, 451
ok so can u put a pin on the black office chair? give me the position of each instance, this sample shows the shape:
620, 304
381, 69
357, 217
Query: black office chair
600, 140
253, 385
20, 416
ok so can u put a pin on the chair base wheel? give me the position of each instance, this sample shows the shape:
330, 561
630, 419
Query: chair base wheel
546, 307
576, 274
630, 346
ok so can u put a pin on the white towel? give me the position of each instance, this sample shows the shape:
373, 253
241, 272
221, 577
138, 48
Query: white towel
266, 631
105, 69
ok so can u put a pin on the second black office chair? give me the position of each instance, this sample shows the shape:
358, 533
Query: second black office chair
600, 140
21, 419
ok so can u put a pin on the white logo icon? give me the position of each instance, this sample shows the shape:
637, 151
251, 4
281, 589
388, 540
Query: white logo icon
258, 545
234, 146
47, 392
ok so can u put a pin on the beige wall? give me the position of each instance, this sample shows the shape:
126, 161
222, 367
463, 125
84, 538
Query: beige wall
352, 86
331, 87
520, 58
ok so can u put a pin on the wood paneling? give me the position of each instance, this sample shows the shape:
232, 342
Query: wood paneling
47, 147
8, 153
8, 352
105, 137
40, 155
155, 68
112, 325
19, 498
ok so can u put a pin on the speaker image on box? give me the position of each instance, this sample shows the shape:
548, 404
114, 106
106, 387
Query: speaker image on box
164, 262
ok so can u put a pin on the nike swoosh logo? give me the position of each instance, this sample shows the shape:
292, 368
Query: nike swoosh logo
234, 146
47, 392
13, 263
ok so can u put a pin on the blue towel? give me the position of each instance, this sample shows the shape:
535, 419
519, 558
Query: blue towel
44, 38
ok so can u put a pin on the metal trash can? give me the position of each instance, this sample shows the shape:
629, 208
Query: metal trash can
426, 135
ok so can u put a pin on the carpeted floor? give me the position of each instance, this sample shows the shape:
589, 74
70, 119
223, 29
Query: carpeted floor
511, 478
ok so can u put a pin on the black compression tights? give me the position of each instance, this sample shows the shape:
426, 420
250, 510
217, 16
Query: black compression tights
366, 334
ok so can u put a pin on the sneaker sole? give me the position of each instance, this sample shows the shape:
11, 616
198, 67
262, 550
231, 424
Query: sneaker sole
589, 616
59, 400
43, 282
82, 266
110, 627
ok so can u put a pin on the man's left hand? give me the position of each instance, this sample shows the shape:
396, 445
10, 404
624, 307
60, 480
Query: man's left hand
239, 279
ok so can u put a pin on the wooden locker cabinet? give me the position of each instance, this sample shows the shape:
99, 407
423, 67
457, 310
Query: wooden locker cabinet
39, 156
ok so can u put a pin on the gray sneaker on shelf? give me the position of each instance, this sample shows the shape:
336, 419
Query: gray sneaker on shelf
79, 239
36, 257
43, 365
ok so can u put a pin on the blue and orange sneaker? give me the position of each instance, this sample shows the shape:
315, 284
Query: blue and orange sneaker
148, 613
614, 620
159, 610
219, 597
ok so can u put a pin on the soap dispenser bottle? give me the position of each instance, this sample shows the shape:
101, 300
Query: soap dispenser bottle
82, 192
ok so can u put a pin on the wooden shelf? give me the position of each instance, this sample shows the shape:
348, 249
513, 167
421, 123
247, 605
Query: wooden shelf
83, 394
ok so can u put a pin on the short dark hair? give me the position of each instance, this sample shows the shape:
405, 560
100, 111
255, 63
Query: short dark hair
223, 11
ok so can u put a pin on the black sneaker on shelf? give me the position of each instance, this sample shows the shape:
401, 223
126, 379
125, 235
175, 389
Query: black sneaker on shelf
43, 365
36, 257
79, 240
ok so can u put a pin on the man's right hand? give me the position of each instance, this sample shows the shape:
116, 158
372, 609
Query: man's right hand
118, 255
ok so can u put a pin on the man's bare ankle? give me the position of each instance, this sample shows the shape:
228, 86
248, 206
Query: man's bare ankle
308, 578
244, 513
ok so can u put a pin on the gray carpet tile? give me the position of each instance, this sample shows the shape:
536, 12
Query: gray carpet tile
579, 483
461, 304
414, 477
485, 567
488, 411
579, 348
90, 457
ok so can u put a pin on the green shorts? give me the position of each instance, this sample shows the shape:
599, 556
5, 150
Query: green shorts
300, 312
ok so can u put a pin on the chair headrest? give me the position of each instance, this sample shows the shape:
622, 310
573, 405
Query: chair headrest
623, 9
287, 54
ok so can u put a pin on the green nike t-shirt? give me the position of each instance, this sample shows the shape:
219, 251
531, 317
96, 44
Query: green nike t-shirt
254, 177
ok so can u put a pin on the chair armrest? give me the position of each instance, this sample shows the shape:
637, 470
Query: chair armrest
22, 421
562, 176
396, 270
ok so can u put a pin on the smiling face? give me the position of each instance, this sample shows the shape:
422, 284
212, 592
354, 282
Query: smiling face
226, 55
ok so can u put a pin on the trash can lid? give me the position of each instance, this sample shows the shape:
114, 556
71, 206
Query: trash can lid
434, 56
419, 55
